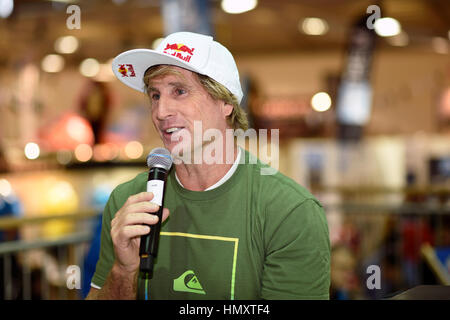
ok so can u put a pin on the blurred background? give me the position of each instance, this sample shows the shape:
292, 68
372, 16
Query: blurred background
359, 90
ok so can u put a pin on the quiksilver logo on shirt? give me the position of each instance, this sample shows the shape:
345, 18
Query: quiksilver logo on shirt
188, 282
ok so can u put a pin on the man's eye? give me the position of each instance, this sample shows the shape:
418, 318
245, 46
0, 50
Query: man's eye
155, 96
180, 91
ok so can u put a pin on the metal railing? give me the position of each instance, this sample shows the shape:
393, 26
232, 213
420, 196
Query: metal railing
36, 269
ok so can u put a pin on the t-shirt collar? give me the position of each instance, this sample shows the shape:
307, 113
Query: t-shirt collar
224, 178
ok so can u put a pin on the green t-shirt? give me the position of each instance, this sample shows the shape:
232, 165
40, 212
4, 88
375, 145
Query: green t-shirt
253, 237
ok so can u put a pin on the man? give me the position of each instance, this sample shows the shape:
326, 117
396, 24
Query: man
233, 233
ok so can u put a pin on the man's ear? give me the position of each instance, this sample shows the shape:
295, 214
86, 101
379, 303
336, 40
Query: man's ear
227, 109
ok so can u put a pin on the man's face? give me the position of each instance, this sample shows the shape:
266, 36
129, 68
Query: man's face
178, 101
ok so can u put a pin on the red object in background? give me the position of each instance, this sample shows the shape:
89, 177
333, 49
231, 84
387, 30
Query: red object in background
66, 133
415, 233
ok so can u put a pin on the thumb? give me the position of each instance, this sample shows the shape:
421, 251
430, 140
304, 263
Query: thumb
165, 214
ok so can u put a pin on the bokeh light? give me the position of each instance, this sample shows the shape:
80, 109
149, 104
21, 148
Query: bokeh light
32, 150
5, 188
134, 149
238, 6
314, 26
321, 102
6, 8
89, 67
387, 27
52, 63
66, 44
83, 152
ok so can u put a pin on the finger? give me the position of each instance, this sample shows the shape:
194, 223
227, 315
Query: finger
130, 232
140, 218
139, 197
145, 206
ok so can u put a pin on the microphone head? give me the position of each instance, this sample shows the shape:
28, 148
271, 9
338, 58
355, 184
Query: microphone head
159, 157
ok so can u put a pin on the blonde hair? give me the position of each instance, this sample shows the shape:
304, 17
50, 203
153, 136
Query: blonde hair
237, 119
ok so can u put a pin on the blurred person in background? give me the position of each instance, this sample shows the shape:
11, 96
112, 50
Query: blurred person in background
265, 235
344, 278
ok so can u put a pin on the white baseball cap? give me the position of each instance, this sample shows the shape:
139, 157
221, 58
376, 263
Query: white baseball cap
192, 51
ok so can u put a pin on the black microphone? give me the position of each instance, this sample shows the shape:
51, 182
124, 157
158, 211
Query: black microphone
159, 161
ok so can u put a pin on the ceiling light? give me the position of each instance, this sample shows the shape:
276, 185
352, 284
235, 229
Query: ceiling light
321, 102
387, 27
238, 6
31, 150
52, 63
67, 44
6, 8
314, 26
89, 67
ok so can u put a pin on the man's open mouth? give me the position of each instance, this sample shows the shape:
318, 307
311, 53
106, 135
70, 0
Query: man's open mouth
172, 130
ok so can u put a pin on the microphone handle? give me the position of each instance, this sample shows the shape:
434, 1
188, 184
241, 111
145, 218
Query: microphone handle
148, 249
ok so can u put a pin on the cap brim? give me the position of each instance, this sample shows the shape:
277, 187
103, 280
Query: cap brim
140, 60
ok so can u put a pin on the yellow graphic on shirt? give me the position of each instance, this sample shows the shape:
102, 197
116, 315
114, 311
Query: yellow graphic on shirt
195, 282
188, 282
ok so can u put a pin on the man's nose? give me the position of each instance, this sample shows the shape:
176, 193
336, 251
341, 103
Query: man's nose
165, 108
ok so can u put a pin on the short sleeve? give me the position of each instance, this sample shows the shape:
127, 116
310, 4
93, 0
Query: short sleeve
297, 257
106, 256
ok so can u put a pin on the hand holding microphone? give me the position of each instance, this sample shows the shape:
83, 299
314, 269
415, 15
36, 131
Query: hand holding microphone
134, 222
159, 161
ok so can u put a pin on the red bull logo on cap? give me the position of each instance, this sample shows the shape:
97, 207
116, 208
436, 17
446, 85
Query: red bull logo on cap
179, 50
126, 70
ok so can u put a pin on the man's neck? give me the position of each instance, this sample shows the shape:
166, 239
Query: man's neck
199, 177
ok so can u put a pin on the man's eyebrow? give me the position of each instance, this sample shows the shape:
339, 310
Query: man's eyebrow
179, 84
152, 89
173, 84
